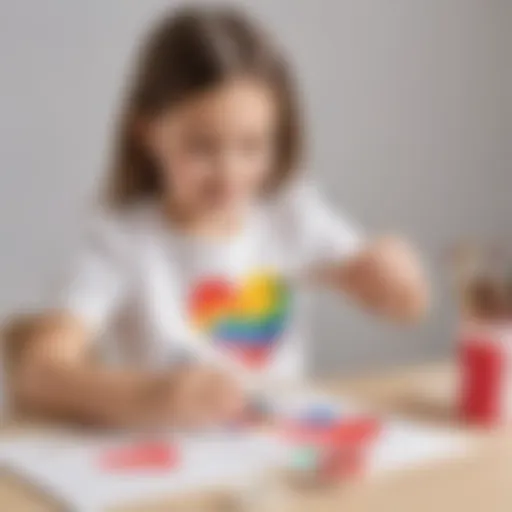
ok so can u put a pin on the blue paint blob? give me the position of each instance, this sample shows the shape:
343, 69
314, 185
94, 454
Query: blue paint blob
319, 415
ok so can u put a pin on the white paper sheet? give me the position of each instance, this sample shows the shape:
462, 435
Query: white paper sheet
71, 472
67, 467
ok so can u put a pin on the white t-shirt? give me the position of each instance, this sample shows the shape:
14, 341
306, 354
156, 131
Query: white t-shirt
154, 295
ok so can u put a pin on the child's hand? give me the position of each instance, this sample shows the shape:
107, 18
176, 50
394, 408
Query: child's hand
386, 277
198, 397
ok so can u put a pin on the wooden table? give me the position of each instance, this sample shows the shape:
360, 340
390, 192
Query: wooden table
481, 481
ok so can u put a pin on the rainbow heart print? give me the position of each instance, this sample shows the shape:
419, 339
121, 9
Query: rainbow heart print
247, 319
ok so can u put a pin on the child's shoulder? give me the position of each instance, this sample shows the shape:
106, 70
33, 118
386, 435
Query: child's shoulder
297, 198
124, 225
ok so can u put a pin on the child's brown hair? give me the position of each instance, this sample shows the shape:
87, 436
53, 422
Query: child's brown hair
190, 51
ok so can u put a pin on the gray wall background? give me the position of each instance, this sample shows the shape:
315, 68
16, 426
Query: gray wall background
408, 103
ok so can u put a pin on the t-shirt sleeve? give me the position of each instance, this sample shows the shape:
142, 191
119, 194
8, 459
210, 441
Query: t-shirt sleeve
97, 280
324, 234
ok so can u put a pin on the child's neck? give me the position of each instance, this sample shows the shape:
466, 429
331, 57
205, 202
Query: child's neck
215, 224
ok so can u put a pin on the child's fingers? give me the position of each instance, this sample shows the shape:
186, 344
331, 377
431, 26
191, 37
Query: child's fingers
219, 401
201, 397
389, 279
228, 399
189, 408
205, 397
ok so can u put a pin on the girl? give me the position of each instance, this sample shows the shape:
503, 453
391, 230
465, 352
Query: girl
193, 269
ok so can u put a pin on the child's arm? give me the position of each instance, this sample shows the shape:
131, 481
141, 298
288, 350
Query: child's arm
55, 375
384, 276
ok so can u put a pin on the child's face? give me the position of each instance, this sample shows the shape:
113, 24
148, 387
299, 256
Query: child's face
216, 151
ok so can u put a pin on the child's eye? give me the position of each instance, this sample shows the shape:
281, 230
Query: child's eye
254, 146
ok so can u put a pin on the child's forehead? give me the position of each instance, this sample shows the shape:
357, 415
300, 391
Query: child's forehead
243, 101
